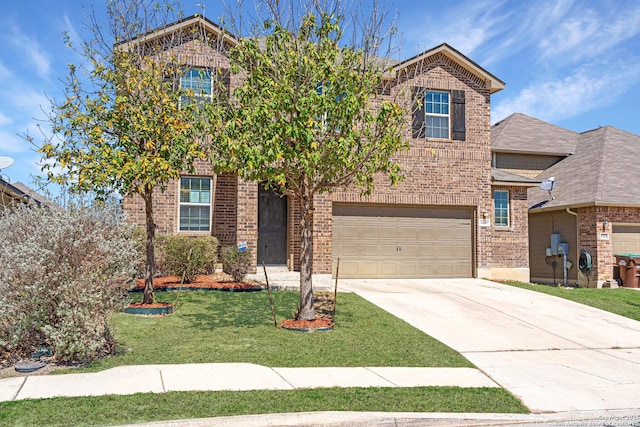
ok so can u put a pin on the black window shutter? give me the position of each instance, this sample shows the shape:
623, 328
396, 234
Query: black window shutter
417, 103
224, 80
459, 127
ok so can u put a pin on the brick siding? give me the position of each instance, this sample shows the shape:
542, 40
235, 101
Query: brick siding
438, 173
510, 245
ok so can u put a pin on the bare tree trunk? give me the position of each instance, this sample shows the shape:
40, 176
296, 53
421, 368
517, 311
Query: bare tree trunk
151, 231
306, 259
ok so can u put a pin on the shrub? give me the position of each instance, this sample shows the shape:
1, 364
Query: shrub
190, 256
64, 271
235, 263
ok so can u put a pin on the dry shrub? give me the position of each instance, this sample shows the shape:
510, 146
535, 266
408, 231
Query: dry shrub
64, 271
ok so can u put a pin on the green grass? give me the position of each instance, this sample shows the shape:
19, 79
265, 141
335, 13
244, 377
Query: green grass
625, 302
111, 410
238, 327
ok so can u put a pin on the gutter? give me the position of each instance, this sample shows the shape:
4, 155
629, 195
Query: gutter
586, 205
540, 153
516, 183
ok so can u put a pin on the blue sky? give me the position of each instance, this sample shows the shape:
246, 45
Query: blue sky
574, 63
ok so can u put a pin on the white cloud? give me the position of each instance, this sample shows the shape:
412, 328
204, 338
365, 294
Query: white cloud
31, 49
587, 33
70, 30
465, 27
527, 23
4, 120
588, 88
11, 143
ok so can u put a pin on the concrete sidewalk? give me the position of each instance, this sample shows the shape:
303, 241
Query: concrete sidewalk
230, 376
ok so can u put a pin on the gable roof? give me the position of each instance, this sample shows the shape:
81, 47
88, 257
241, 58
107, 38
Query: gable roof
603, 171
492, 83
183, 24
522, 134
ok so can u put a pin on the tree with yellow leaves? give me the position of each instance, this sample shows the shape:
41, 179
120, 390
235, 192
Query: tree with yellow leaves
126, 125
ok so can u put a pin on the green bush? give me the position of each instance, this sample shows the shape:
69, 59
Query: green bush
190, 256
235, 263
64, 271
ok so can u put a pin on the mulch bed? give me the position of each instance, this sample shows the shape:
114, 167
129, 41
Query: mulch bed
317, 323
217, 281
323, 306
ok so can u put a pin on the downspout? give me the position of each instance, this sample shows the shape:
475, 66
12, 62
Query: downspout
569, 211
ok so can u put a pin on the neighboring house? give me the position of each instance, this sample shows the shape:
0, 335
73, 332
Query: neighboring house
16, 193
452, 216
595, 205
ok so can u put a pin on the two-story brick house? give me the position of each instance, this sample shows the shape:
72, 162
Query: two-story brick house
452, 216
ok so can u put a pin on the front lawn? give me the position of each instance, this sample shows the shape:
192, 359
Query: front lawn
622, 301
213, 326
210, 326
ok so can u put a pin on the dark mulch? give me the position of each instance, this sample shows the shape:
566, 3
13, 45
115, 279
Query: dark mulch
218, 281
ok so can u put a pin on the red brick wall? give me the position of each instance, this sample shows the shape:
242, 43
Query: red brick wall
225, 210
247, 218
510, 245
321, 229
165, 203
443, 172
591, 222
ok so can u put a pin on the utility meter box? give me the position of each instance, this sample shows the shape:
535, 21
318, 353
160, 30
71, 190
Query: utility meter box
555, 242
563, 249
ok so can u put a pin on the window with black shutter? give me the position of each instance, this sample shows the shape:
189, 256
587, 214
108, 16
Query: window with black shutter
438, 114
417, 104
458, 120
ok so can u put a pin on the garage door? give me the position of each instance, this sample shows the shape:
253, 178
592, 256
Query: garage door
626, 239
403, 242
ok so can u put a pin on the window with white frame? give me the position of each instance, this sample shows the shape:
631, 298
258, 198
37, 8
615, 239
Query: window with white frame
195, 204
501, 208
199, 81
436, 108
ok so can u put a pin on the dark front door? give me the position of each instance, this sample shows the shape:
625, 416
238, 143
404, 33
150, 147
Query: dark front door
272, 227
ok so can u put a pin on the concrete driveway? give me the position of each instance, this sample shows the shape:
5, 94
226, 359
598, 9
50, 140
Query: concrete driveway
553, 354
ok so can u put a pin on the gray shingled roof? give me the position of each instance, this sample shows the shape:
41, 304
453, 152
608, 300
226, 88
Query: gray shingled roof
31, 193
605, 170
501, 176
521, 133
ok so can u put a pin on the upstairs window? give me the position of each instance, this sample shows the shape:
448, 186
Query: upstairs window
501, 208
438, 114
199, 81
195, 204
436, 107
206, 85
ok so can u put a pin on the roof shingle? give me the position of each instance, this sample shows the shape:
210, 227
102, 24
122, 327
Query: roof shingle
604, 170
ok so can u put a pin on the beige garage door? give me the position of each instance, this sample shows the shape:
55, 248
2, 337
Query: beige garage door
626, 239
384, 242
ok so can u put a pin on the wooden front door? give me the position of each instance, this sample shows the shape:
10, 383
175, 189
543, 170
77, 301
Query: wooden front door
272, 227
